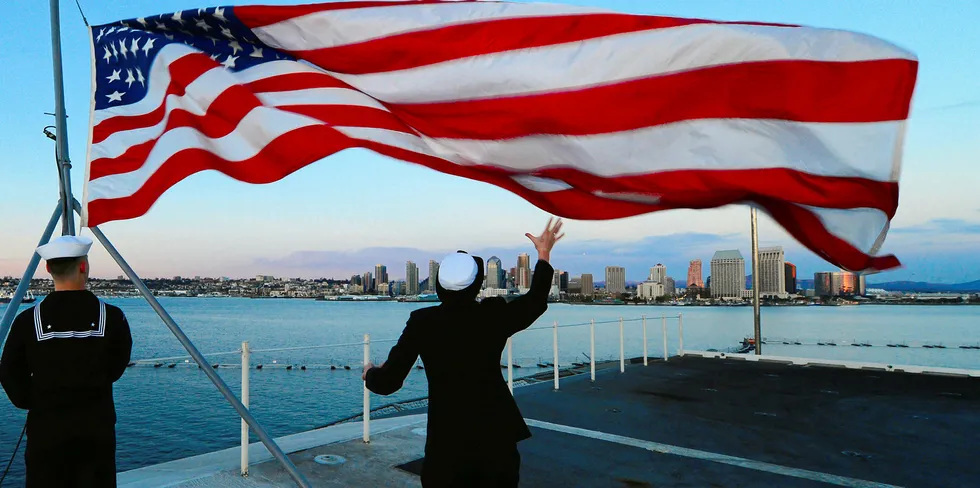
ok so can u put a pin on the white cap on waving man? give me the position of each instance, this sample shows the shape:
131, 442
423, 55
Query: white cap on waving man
65, 247
457, 271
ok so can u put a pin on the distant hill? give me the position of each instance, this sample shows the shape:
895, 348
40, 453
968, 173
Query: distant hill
921, 286
913, 286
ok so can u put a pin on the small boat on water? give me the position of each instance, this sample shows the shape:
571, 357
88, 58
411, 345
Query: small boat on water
9, 297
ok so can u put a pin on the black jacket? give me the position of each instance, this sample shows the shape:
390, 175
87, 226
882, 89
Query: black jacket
62, 369
460, 342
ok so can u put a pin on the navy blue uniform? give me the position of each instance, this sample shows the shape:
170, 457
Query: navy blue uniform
59, 363
474, 423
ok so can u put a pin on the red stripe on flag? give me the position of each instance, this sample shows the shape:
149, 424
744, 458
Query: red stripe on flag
421, 48
260, 15
807, 228
351, 116
182, 73
296, 81
803, 91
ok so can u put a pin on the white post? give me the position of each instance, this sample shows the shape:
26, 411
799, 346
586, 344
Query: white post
592, 354
510, 364
680, 329
367, 393
556, 355
245, 362
663, 324
645, 340
622, 350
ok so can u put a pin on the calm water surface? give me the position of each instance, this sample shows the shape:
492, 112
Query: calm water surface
165, 414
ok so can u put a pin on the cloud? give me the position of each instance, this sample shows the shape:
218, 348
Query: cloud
941, 226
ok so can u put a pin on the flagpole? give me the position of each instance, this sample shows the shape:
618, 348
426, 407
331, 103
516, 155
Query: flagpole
60, 123
756, 313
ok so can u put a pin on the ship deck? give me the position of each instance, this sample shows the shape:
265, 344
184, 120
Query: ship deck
687, 422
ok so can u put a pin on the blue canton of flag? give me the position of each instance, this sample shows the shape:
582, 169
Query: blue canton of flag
124, 51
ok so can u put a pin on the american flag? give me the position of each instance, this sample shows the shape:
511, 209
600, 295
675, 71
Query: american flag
584, 112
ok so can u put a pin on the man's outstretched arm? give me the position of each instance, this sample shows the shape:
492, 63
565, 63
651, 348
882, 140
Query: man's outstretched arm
524, 310
389, 377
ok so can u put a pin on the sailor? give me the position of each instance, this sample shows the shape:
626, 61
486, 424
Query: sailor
59, 363
474, 423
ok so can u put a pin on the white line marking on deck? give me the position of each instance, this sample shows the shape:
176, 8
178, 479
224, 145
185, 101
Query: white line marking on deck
710, 456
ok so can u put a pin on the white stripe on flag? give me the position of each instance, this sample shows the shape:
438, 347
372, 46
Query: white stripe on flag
331, 28
614, 59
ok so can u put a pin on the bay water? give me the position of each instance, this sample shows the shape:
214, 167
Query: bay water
169, 413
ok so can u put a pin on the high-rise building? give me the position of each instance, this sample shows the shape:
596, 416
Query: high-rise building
658, 273
496, 276
523, 275
380, 275
433, 275
823, 284
615, 280
411, 278
694, 275
670, 288
727, 274
772, 271
588, 287
555, 284
838, 283
789, 270
563, 282
367, 281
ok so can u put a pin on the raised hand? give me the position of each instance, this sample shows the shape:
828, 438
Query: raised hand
546, 241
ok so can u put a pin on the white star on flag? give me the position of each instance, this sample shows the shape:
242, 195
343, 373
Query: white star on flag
148, 45
114, 76
162, 26
142, 20
257, 53
139, 77
107, 54
235, 47
129, 78
115, 96
219, 13
230, 62
135, 47
177, 18
203, 25
115, 54
227, 32
122, 48
101, 33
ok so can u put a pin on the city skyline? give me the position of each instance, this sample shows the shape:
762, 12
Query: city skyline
313, 222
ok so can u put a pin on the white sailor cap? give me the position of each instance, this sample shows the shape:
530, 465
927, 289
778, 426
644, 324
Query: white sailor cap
65, 247
457, 271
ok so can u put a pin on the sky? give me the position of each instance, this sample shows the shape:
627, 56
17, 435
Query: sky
355, 209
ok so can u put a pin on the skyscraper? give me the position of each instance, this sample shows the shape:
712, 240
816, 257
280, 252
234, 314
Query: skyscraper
615, 280
380, 275
823, 284
772, 271
694, 275
411, 278
658, 273
670, 288
523, 271
727, 274
433, 275
496, 276
368, 282
563, 283
789, 270
588, 287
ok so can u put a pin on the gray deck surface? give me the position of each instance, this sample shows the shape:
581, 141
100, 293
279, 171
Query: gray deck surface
693, 422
